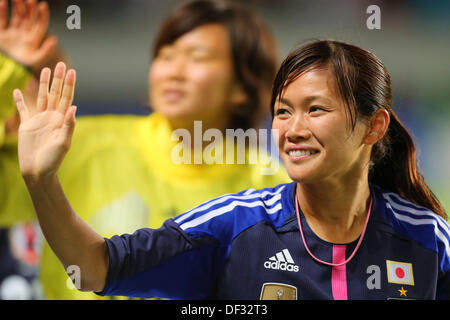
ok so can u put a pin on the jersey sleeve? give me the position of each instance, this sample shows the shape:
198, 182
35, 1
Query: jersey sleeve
183, 258
164, 263
443, 287
443, 244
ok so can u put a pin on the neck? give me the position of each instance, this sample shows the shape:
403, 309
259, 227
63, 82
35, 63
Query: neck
200, 143
336, 211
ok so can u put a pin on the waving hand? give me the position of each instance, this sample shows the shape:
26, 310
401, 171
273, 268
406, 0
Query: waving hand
23, 36
46, 130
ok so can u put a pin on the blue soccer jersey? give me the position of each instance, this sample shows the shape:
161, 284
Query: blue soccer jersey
248, 246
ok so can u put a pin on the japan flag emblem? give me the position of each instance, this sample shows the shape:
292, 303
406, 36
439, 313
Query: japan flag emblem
400, 272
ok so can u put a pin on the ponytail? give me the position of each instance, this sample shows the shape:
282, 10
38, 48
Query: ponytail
394, 167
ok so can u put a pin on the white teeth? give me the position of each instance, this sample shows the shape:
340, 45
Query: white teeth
299, 153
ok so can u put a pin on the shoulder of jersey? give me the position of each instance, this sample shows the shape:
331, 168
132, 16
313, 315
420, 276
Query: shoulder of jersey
101, 134
225, 217
104, 130
109, 122
418, 223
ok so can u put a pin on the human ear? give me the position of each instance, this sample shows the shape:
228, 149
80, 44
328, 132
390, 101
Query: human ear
379, 124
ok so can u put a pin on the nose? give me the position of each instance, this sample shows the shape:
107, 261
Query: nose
176, 67
298, 129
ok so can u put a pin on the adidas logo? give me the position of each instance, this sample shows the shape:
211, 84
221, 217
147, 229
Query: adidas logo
281, 261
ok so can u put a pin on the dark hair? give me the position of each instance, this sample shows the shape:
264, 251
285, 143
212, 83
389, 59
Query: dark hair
253, 51
365, 86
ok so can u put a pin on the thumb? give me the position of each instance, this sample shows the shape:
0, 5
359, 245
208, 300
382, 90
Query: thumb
43, 54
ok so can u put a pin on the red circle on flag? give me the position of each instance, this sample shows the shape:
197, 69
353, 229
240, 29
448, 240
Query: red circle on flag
399, 272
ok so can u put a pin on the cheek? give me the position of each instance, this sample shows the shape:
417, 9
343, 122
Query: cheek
154, 78
155, 74
206, 80
330, 131
339, 144
278, 128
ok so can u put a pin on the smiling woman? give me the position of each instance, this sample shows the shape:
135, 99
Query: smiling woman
326, 84
312, 126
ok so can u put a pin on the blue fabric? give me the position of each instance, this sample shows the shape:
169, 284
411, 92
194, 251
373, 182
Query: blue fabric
234, 246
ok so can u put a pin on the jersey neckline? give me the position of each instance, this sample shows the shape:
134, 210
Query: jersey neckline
309, 233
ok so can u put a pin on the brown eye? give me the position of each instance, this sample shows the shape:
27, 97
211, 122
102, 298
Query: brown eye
316, 109
280, 111
200, 56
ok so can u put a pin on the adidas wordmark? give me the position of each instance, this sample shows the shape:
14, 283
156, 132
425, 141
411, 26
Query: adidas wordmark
281, 261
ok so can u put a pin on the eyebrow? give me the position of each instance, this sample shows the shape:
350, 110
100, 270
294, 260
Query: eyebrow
195, 47
286, 102
198, 47
306, 100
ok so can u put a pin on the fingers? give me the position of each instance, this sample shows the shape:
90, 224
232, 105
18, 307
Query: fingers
44, 82
17, 14
66, 100
67, 94
31, 14
20, 103
3, 14
55, 100
24, 14
40, 25
56, 87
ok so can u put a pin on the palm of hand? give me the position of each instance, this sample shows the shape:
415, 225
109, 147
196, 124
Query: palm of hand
42, 140
17, 44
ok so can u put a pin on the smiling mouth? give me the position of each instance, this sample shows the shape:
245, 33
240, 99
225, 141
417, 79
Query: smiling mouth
173, 95
301, 154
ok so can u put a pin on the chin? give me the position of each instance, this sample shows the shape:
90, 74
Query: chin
300, 178
172, 112
176, 114
303, 176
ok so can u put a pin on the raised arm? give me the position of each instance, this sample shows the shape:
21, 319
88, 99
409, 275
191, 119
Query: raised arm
45, 134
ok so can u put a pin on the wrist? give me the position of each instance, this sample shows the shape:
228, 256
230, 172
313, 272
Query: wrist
33, 181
